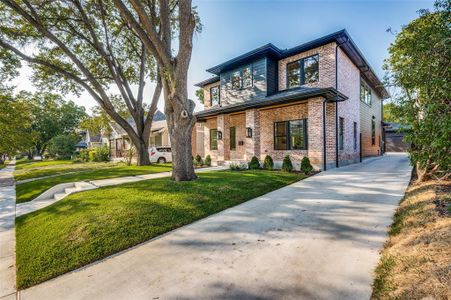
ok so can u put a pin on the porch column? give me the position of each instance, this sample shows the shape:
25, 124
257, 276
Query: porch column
220, 127
252, 144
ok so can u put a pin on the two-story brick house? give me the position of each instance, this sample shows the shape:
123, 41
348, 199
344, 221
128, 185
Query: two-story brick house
320, 99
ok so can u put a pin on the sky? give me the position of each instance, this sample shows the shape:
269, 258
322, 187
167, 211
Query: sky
233, 27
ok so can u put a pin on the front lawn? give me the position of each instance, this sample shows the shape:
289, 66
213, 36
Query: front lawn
91, 225
30, 190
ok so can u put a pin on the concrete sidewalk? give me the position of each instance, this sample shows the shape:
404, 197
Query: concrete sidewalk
316, 239
7, 233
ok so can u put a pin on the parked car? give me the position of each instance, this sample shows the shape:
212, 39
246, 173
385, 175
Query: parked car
160, 155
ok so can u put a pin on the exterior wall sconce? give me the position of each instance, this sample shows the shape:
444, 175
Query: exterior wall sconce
248, 132
219, 135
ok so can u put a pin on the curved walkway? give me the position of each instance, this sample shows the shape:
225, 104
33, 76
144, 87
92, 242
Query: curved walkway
7, 233
315, 239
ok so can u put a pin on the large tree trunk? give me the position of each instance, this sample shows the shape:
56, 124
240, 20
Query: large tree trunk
142, 152
180, 129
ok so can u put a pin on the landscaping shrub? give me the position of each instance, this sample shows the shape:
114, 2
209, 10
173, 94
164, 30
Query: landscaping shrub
84, 155
306, 167
208, 160
287, 166
268, 163
254, 164
237, 167
99, 154
198, 161
129, 154
62, 146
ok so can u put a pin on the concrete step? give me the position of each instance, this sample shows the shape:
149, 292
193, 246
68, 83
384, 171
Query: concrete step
71, 190
59, 196
82, 185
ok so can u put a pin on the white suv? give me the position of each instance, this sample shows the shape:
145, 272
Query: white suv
160, 155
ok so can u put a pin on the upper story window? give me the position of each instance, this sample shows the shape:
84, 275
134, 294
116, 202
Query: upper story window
214, 95
241, 78
303, 71
365, 92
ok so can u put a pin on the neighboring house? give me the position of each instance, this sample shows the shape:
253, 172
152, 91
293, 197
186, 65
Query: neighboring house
284, 102
89, 140
394, 137
119, 141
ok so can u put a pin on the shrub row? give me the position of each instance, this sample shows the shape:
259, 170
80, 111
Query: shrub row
96, 154
199, 162
268, 164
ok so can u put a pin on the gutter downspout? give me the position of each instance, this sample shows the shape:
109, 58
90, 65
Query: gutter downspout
336, 101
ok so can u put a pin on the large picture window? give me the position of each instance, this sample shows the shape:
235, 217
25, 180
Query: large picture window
232, 138
365, 92
290, 135
213, 139
214, 95
303, 71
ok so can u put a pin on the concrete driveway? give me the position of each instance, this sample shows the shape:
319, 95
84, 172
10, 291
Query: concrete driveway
315, 239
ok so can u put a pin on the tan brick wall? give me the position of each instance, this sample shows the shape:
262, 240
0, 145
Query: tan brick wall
239, 122
207, 98
210, 124
326, 66
366, 114
252, 145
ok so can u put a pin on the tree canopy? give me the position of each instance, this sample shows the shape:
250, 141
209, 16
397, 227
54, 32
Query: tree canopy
419, 64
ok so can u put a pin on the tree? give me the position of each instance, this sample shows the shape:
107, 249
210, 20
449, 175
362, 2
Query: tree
419, 64
62, 146
392, 113
200, 95
76, 45
158, 24
52, 116
15, 124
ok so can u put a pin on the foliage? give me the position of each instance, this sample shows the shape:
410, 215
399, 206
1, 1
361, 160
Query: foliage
200, 95
268, 163
238, 167
254, 164
99, 154
306, 167
198, 161
62, 146
419, 64
392, 113
129, 154
84, 155
208, 160
15, 124
287, 166
97, 223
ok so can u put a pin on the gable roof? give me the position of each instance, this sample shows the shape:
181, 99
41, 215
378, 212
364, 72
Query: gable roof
340, 37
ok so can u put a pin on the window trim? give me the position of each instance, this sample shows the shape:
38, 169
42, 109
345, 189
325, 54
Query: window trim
300, 63
241, 81
211, 140
288, 134
219, 95
232, 146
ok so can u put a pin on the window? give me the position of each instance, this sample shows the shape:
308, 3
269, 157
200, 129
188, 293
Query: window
213, 139
311, 69
290, 135
373, 132
247, 77
232, 138
241, 78
341, 126
355, 136
236, 80
303, 71
293, 74
365, 92
214, 95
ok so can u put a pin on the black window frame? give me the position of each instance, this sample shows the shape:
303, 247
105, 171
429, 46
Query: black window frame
355, 136
373, 132
215, 130
341, 133
240, 72
211, 95
288, 134
301, 66
232, 141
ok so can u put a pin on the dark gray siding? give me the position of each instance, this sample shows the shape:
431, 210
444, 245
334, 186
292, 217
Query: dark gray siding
257, 90
272, 76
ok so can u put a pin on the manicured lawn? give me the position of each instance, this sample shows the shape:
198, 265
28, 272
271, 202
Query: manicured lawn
30, 190
91, 225
26, 169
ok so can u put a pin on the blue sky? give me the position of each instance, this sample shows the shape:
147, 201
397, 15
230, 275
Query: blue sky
232, 27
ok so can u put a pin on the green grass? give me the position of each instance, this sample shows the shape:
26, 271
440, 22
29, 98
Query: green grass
30, 190
91, 225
